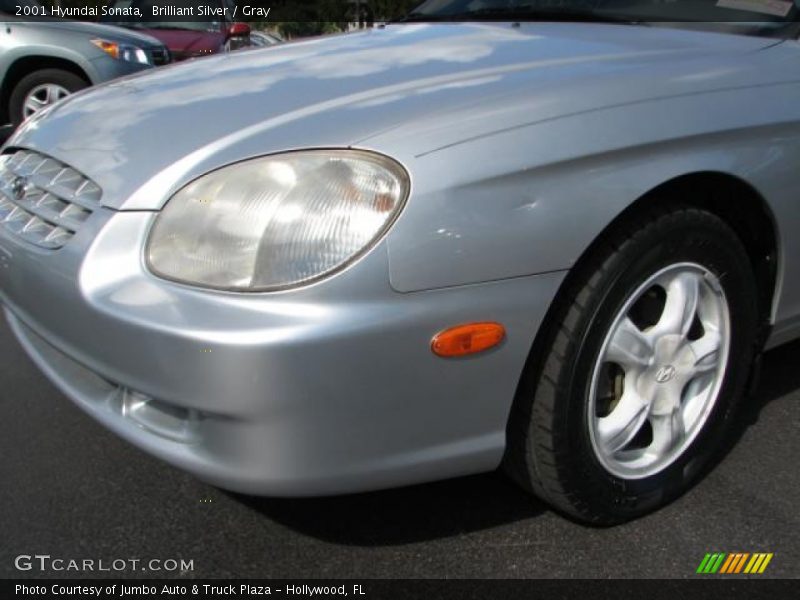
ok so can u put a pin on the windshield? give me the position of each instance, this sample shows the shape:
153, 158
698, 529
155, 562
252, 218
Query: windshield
152, 10
756, 17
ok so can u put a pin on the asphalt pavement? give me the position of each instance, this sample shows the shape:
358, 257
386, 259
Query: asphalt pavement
70, 489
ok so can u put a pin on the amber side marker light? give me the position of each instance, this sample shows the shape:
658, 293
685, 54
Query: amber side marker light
464, 340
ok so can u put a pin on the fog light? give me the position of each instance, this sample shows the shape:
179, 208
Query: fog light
165, 420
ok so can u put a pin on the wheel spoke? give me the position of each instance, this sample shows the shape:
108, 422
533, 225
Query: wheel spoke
706, 351
666, 399
33, 103
43, 96
629, 347
680, 308
623, 423
668, 431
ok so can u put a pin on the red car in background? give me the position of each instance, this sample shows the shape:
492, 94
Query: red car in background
186, 37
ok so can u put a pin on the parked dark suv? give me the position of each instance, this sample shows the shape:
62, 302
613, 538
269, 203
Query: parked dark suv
187, 38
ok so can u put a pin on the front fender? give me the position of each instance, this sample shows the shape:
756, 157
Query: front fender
532, 199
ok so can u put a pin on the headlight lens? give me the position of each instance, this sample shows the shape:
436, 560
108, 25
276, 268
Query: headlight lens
124, 52
277, 221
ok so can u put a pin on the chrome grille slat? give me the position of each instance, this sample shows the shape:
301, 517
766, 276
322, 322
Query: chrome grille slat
65, 193
53, 205
52, 216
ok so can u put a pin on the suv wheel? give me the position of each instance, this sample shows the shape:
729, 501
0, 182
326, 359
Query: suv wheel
40, 89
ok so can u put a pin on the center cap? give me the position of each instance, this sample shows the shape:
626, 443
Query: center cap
665, 374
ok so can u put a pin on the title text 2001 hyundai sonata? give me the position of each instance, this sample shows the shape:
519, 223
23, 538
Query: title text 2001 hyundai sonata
423, 251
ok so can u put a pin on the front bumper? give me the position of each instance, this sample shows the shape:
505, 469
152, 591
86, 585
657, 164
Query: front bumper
326, 389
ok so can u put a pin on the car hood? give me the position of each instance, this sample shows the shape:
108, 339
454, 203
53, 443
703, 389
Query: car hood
407, 90
96, 29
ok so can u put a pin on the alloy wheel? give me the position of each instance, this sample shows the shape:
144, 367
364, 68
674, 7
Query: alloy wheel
659, 371
42, 96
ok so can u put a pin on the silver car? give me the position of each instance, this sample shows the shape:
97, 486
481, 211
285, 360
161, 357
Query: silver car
552, 239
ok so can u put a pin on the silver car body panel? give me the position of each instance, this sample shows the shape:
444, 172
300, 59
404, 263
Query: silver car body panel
523, 143
324, 389
351, 88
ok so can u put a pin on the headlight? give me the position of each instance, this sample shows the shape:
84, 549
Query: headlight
124, 52
277, 221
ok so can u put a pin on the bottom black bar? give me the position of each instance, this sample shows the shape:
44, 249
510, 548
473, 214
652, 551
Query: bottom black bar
371, 589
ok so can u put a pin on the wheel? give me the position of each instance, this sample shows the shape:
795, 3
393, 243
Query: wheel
40, 89
633, 389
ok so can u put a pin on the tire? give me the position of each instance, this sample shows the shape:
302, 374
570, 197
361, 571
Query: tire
62, 80
563, 431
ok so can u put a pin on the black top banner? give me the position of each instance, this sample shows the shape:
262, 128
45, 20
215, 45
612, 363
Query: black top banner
158, 11
776, 12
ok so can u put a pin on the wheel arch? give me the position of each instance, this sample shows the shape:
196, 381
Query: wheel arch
739, 205
727, 196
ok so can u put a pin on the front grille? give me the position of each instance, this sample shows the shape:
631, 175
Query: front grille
160, 56
42, 200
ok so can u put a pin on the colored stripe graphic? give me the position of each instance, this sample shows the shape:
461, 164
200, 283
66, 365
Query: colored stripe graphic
711, 563
733, 563
742, 560
758, 563
729, 563
703, 564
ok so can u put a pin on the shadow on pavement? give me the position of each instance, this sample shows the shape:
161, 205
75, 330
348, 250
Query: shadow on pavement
402, 516
448, 508
779, 376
